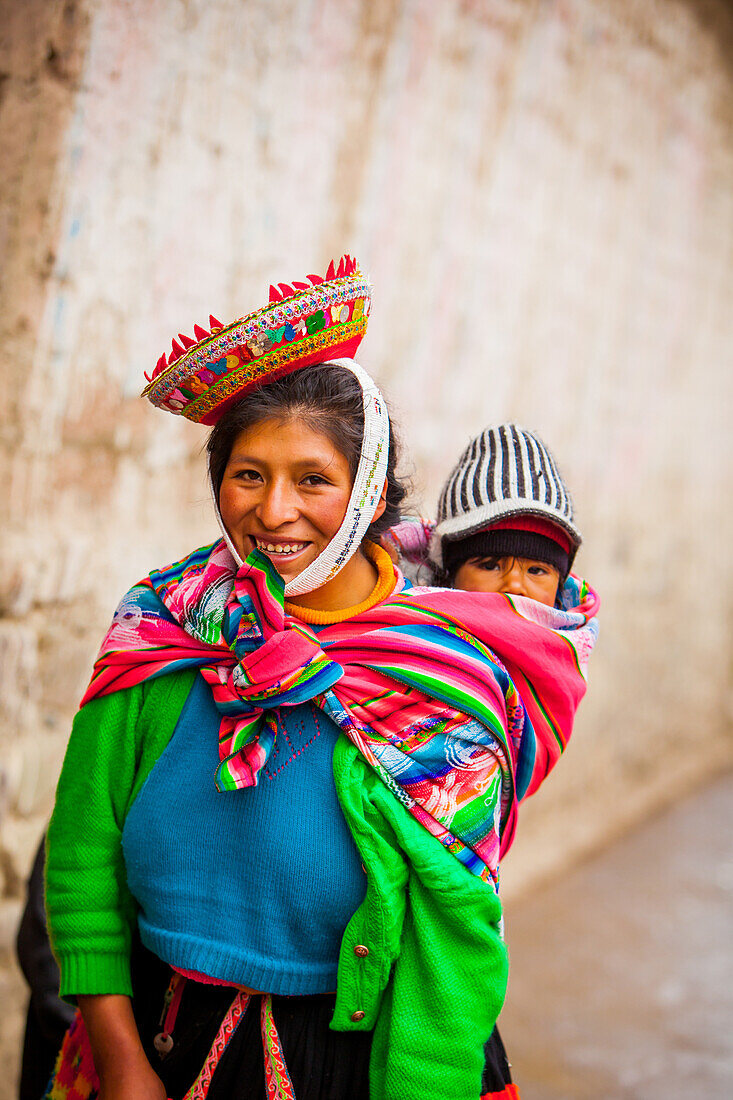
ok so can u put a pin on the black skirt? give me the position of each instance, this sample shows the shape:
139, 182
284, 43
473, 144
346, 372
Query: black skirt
323, 1064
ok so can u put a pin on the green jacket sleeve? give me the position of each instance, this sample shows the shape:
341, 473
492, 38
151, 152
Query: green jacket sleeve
447, 972
115, 741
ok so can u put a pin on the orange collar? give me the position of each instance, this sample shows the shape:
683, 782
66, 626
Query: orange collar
384, 587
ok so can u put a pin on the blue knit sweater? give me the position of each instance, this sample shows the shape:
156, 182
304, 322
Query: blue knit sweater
255, 886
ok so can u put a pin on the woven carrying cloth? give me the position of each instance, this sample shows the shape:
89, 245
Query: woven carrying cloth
398, 679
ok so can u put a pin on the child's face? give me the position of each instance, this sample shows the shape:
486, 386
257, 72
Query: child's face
517, 576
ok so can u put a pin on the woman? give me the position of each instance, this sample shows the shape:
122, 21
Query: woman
292, 774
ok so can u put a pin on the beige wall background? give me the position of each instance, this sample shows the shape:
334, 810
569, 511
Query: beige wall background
541, 193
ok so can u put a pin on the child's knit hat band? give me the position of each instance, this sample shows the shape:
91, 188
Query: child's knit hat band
506, 542
538, 525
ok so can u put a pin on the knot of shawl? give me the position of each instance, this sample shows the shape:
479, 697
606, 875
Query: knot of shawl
288, 669
275, 661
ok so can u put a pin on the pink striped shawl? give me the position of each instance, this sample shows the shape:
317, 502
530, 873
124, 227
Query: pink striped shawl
447, 694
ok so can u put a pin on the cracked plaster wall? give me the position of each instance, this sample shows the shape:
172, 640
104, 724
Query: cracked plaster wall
541, 193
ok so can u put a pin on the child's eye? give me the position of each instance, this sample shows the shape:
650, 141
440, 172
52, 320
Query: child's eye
538, 570
489, 564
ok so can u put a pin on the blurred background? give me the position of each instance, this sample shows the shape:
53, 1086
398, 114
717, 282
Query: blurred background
541, 192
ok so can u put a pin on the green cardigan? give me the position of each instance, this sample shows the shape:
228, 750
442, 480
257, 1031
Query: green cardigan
434, 979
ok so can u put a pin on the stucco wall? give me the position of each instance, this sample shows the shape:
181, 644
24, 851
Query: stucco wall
541, 194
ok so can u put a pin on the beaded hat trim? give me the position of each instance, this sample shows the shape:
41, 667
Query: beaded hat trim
302, 323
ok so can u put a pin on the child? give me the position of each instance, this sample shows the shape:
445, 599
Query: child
505, 519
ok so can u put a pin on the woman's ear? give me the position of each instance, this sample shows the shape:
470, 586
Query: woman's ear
382, 501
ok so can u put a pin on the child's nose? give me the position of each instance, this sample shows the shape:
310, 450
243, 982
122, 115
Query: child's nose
514, 580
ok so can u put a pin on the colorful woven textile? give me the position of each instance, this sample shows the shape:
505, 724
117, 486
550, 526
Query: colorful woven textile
399, 679
74, 1077
200, 1088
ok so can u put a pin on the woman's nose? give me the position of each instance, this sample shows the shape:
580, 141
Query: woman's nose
277, 505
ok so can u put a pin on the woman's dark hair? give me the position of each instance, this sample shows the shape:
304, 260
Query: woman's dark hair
328, 399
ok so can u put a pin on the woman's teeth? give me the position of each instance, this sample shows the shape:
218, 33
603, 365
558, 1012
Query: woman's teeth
280, 548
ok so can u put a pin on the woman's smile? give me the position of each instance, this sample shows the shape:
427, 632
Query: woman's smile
279, 549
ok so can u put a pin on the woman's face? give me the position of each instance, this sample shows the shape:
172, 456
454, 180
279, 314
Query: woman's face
285, 490
517, 576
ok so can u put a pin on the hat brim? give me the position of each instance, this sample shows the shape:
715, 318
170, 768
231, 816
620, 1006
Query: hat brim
316, 324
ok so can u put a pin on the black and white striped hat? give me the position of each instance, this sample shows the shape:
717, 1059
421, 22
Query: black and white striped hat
505, 471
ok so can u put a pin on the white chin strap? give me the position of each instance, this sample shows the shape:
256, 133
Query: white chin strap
365, 495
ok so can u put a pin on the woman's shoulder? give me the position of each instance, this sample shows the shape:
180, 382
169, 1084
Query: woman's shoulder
145, 702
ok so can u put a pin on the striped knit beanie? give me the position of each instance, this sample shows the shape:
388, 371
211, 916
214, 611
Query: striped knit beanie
506, 484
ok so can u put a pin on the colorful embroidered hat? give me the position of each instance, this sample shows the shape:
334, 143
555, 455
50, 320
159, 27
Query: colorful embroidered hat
303, 323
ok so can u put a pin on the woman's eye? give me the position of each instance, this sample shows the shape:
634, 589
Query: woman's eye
314, 479
247, 475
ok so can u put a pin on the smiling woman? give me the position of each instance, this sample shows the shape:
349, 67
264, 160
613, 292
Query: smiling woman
279, 821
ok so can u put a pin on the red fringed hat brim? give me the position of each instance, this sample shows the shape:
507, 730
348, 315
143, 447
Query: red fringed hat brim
301, 325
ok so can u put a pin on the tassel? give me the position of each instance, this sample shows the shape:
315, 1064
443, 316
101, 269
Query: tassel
159, 366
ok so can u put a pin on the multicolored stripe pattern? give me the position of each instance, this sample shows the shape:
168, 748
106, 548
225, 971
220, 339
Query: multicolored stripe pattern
447, 694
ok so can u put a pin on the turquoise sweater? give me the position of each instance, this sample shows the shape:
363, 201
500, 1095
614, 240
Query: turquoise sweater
434, 978
256, 886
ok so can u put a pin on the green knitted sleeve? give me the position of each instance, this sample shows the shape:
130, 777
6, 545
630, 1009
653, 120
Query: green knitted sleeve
115, 741
449, 980
449, 973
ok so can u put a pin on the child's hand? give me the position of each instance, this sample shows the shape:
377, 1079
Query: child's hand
409, 539
386, 542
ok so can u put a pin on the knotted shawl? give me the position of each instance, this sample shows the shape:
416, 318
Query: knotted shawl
399, 680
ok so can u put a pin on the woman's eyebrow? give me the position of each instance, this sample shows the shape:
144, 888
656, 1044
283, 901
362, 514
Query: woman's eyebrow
318, 462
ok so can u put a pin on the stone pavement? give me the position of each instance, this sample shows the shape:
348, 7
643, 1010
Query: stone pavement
621, 984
